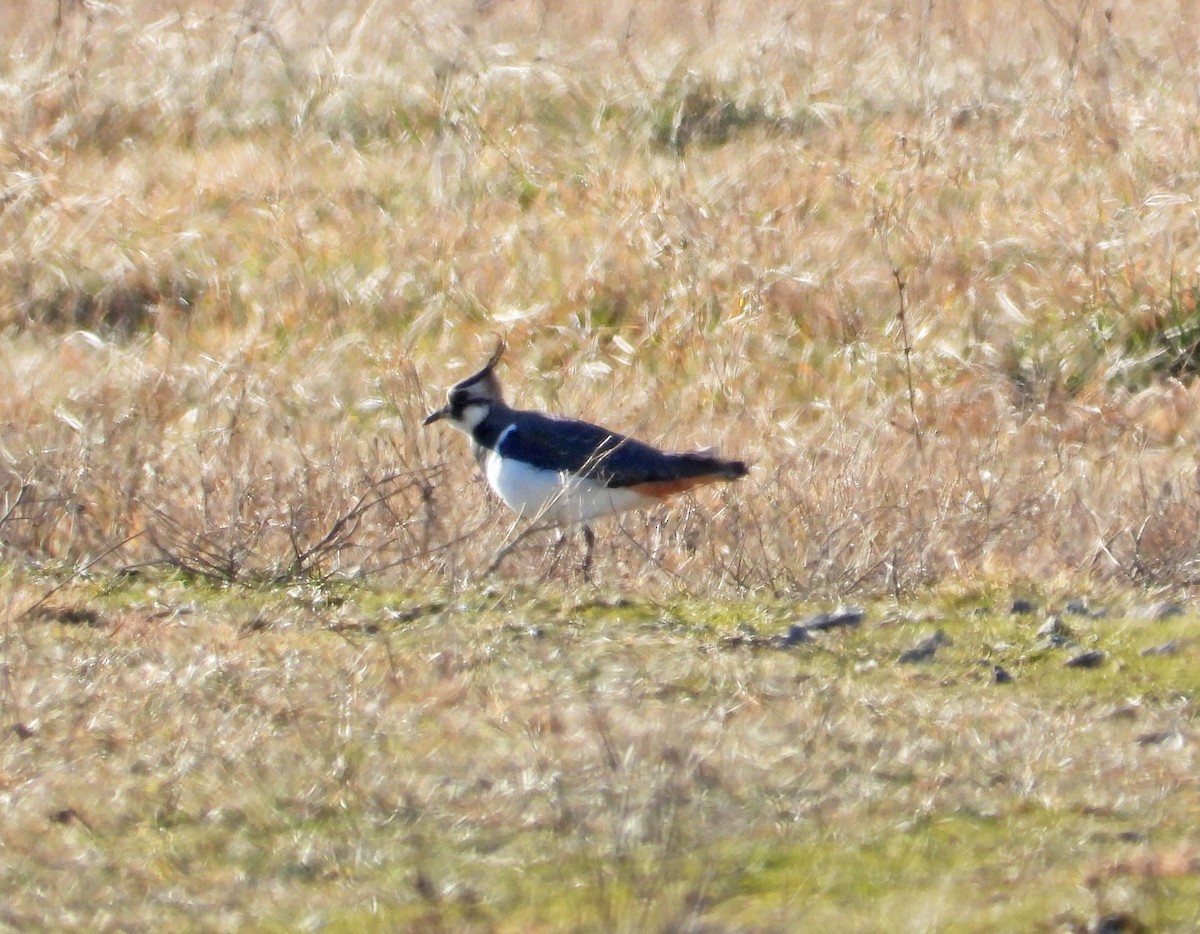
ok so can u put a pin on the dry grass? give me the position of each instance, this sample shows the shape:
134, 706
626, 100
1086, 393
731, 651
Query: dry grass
302, 226
245, 246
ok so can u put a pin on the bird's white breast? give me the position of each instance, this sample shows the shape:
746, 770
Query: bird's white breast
547, 494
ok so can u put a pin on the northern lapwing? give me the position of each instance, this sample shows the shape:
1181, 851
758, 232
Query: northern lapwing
563, 471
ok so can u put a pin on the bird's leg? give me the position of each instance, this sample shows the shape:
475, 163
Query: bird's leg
589, 547
556, 551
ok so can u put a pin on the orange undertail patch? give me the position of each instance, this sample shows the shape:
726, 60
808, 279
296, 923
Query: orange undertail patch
664, 488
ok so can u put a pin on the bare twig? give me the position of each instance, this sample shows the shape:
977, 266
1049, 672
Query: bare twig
342, 530
18, 500
902, 314
79, 570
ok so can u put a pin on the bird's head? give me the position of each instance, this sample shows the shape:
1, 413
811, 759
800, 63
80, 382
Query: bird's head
469, 401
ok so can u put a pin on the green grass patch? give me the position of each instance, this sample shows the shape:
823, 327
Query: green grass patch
524, 759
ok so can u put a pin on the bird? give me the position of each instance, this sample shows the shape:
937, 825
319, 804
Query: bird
563, 471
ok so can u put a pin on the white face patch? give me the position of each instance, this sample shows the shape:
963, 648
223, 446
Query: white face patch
472, 414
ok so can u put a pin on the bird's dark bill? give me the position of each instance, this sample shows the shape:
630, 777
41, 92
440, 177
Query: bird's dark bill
435, 416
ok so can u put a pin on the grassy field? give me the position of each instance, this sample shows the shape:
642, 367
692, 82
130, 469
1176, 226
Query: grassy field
933, 269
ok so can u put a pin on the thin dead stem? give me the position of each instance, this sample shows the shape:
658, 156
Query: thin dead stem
902, 315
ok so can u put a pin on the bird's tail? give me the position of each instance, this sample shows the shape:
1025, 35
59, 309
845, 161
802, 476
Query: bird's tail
718, 467
688, 471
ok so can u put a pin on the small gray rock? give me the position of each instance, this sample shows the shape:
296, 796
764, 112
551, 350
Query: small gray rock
1163, 609
843, 616
744, 634
1093, 658
836, 619
924, 650
1116, 923
413, 613
1055, 633
1022, 607
1076, 608
1165, 648
1000, 676
1053, 626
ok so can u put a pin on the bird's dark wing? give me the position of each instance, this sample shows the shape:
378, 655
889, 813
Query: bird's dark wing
563, 444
